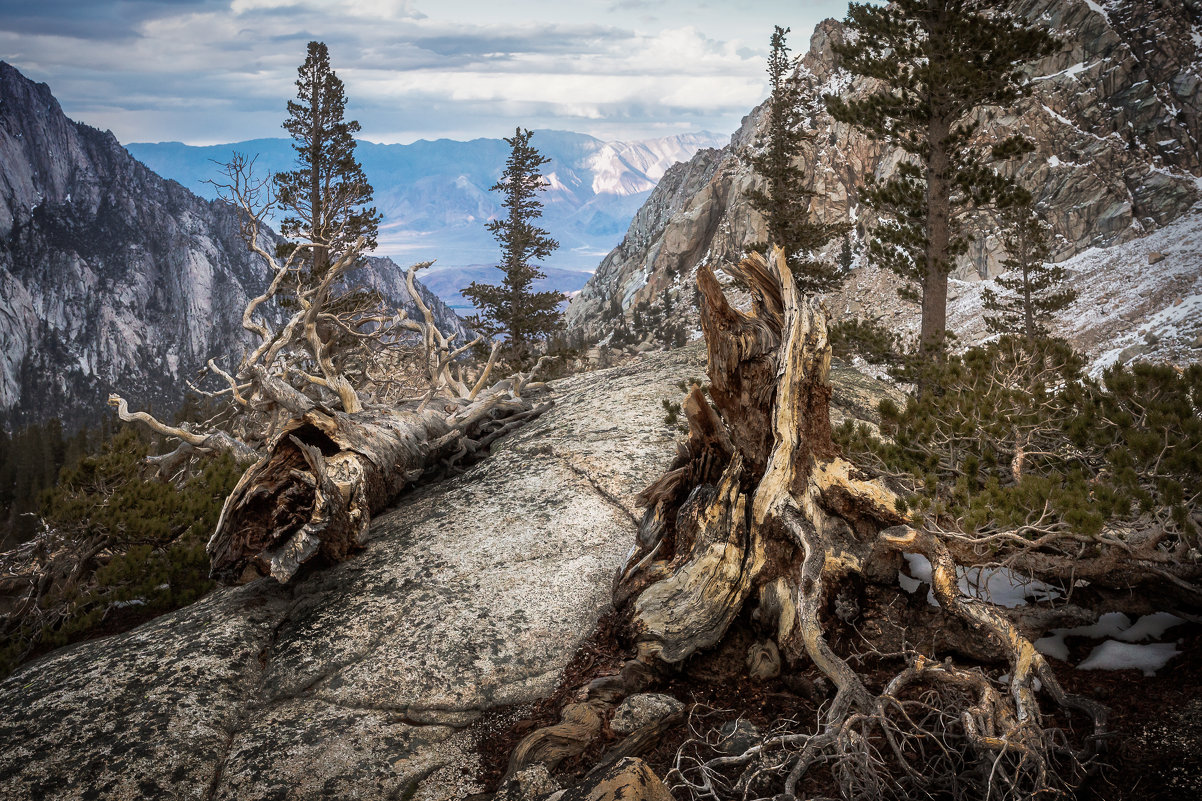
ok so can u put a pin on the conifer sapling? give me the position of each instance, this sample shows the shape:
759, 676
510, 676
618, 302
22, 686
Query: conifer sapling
785, 201
514, 309
1034, 289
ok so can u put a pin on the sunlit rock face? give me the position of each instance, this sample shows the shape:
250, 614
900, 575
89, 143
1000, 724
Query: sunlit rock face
111, 277
1114, 115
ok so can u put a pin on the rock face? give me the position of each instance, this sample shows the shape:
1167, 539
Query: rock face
363, 680
110, 276
1115, 117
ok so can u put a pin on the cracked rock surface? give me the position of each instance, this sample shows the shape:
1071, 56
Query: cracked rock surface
361, 680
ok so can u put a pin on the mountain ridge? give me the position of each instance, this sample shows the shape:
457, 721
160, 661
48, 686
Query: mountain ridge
435, 196
113, 278
1114, 115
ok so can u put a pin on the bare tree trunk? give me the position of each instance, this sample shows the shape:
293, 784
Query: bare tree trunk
934, 281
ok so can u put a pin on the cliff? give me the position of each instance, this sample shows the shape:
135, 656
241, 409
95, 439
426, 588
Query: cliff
111, 277
1114, 115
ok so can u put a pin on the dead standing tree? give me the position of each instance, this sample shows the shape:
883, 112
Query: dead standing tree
759, 510
326, 454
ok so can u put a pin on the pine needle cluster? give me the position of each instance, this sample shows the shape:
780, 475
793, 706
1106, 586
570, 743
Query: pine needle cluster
1013, 435
120, 546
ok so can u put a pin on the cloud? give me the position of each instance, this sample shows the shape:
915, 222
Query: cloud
88, 19
222, 70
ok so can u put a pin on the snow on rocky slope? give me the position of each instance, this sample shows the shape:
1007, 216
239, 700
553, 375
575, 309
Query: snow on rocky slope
1115, 117
1140, 299
1128, 307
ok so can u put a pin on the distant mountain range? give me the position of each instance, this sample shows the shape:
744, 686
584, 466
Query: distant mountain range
435, 194
449, 281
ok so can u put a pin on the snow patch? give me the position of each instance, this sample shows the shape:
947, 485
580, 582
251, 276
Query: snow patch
1119, 651
1099, 9
997, 585
1113, 655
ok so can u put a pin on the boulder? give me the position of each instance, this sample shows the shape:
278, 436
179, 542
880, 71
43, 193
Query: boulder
528, 784
642, 709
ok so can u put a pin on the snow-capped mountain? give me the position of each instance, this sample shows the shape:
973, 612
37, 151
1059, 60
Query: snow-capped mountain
435, 194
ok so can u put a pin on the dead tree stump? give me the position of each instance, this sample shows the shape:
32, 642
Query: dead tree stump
759, 511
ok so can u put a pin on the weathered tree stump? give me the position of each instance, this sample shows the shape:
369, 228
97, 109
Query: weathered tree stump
759, 511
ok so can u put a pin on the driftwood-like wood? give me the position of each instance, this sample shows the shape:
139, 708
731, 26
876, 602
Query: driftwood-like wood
760, 512
326, 452
328, 472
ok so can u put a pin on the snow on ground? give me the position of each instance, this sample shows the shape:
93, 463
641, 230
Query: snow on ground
1127, 308
998, 585
1123, 647
1113, 655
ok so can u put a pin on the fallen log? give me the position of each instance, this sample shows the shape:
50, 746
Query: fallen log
327, 472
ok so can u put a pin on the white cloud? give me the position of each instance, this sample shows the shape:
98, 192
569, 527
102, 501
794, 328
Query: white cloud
452, 67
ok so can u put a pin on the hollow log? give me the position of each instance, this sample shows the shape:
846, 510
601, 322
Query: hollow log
327, 472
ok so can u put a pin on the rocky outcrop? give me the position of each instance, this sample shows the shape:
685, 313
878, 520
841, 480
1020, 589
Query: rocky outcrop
1114, 114
112, 278
365, 680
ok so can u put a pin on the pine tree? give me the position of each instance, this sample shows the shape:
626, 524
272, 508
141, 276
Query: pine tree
786, 203
935, 61
846, 259
513, 308
327, 196
1035, 287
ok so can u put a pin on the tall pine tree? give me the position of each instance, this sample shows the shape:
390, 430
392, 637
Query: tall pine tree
785, 201
327, 196
514, 309
935, 62
1034, 288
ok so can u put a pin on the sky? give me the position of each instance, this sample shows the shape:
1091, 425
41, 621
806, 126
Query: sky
214, 71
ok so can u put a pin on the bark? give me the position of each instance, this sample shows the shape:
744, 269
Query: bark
934, 282
759, 510
327, 472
